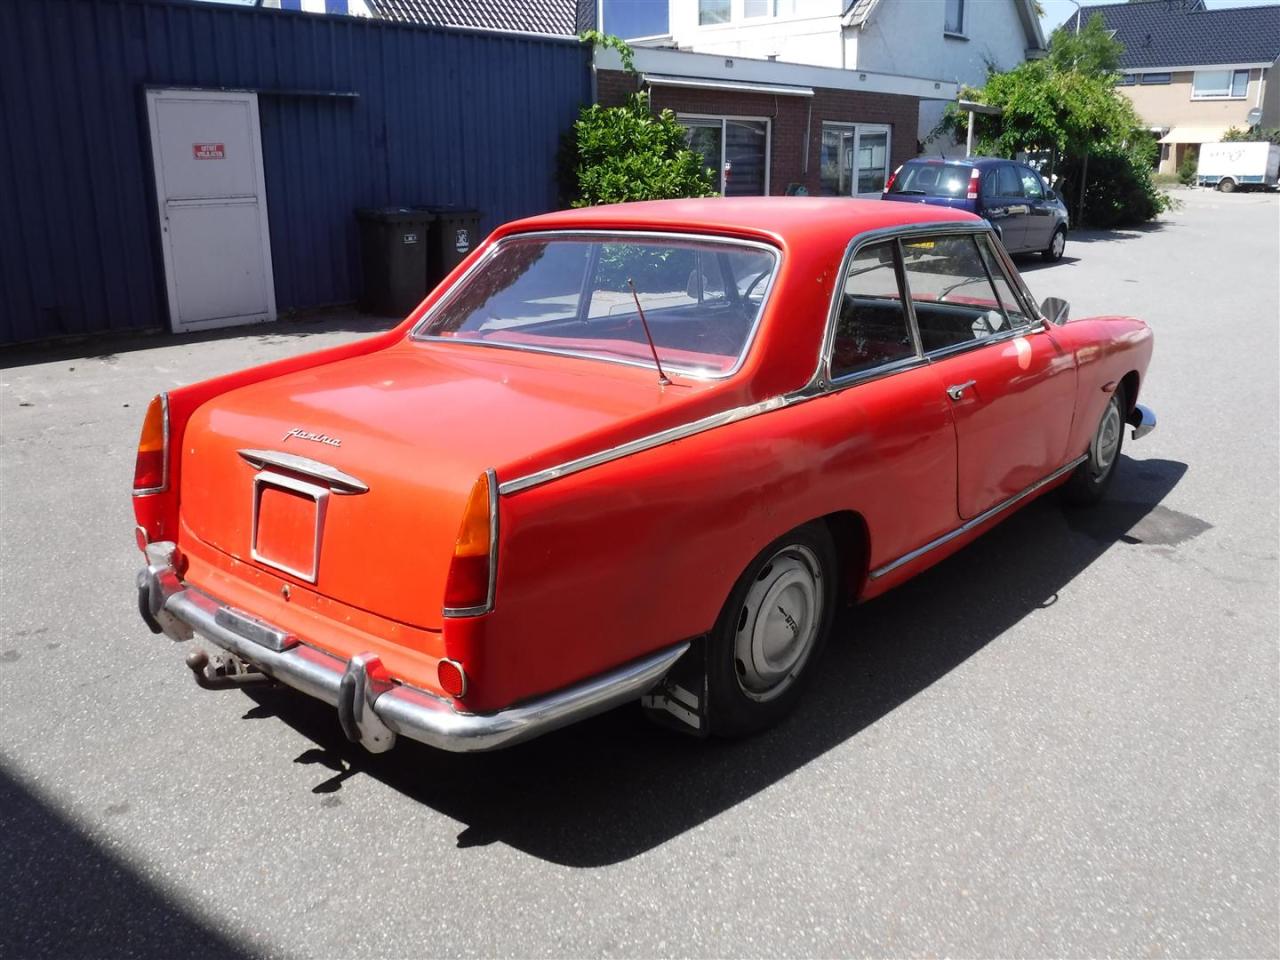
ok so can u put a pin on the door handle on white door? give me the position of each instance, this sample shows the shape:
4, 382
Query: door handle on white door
956, 390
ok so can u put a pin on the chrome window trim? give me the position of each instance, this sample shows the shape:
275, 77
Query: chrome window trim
164, 468
977, 521
321, 497
417, 334
491, 478
822, 378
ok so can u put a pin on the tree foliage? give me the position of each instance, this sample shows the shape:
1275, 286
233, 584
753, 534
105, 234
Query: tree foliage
1066, 106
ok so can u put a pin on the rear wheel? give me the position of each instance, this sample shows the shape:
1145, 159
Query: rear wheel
1227, 185
1057, 245
761, 652
1089, 482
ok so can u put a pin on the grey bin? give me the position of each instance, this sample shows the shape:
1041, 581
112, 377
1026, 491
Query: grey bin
455, 232
393, 252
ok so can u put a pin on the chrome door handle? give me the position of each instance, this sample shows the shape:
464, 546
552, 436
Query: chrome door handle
956, 390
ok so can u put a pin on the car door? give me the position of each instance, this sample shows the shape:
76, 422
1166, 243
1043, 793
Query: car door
1010, 384
1041, 219
1004, 205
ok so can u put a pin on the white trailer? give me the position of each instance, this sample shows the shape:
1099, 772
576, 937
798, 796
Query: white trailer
1232, 166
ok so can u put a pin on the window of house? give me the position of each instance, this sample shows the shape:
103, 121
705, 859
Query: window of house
737, 151
954, 22
854, 159
1127, 80
951, 292
1210, 84
713, 11
1153, 78
755, 8
871, 327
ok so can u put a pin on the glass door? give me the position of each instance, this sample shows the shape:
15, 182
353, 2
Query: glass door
871, 160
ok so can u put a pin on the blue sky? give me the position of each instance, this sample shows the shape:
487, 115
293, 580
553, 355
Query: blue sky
637, 18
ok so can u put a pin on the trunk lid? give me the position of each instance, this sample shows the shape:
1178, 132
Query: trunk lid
416, 424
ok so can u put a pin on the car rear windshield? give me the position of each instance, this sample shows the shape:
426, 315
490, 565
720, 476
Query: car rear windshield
932, 179
573, 294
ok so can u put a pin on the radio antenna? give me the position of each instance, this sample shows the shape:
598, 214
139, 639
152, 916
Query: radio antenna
662, 377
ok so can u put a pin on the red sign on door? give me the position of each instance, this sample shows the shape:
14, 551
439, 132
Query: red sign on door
209, 151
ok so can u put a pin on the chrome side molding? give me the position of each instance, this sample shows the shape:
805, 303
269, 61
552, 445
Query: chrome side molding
977, 521
338, 481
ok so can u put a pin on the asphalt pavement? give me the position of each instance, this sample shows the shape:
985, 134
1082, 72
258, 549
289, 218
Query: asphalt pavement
1063, 741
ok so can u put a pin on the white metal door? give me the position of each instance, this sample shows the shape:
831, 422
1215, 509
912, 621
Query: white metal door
207, 154
871, 160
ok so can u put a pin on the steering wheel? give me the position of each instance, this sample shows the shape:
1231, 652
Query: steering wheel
746, 294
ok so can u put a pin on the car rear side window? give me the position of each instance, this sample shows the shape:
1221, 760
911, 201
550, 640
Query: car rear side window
1007, 182
951, 292
871, 328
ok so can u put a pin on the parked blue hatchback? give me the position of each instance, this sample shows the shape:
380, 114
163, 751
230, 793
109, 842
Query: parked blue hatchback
1027, 214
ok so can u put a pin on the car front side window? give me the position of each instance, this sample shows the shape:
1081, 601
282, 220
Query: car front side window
951, 292
1031, 185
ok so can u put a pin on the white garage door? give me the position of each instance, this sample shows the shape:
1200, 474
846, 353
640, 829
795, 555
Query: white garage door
207, 155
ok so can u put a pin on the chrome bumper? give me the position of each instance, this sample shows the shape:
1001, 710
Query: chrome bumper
1143, 421
372, 707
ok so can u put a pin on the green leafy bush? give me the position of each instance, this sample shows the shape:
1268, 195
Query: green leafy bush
629, 153
1119, 189
1252, 135
1187, 168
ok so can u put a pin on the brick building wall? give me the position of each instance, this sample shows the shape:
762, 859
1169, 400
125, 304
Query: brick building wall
789, 117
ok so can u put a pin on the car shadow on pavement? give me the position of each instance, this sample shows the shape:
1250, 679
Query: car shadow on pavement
65, 895
614, 786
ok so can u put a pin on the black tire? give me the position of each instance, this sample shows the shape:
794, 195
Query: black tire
1090, 480
1227, 185
1057, 245
744, 696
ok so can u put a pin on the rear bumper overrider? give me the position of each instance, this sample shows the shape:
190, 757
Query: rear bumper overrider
373, 707
1143, 421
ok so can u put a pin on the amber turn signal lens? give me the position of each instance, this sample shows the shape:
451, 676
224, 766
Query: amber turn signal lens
150, 474
473, 534
467, 586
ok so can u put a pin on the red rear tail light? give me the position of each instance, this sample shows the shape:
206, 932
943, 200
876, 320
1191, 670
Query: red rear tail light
468, 590
151, 469
888, 184
975, 176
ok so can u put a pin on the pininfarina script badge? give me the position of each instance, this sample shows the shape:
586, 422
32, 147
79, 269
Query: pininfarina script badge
313, 437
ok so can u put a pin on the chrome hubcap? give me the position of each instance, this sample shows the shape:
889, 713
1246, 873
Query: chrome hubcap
1059, 243
778, 623
1107, 440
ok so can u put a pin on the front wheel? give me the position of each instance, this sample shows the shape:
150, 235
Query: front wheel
1227, 185
769, 634
1089, 481
1057, 245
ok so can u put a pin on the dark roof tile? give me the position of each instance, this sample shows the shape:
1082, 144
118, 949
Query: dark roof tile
563, 17
1171, 33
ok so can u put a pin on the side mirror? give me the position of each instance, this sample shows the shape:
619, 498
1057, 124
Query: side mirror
1055, 310
1051, 193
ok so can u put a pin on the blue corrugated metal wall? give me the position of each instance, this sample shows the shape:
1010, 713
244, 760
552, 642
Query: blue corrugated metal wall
440, 116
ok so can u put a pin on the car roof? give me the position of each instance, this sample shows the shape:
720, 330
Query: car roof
963, 161
789, 219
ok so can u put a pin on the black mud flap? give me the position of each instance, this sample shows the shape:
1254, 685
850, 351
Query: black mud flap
680, 700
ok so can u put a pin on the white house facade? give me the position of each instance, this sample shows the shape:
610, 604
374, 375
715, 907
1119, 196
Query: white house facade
955, 40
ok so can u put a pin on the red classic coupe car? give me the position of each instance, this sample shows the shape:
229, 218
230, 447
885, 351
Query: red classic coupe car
626, 452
